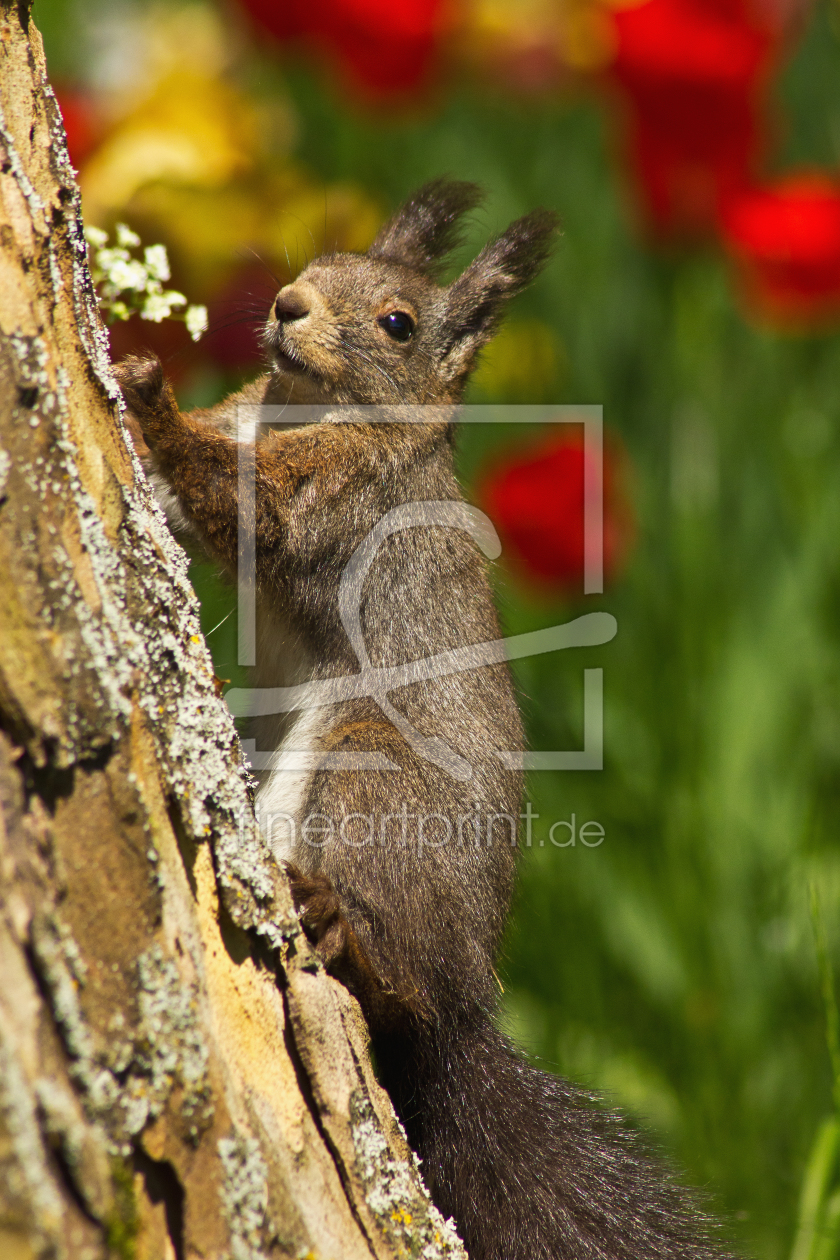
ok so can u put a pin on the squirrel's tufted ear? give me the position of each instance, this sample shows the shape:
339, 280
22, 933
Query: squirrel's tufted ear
425, 229
477, 299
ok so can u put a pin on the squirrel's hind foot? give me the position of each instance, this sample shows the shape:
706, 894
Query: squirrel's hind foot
343, 954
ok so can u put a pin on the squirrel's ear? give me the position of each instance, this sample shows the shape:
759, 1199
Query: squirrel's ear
477, 299
426, 228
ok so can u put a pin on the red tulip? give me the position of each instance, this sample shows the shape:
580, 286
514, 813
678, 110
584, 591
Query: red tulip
386, 48
693, 73
785, 240
535, 499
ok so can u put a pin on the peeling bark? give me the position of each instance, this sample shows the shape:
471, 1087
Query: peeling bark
178, 1076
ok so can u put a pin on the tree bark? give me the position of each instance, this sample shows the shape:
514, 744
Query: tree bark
178, 1076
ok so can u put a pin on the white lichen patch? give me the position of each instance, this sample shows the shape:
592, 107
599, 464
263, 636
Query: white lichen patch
396, 1194
5, 468
57, 958
127, 1080
35, 204
244, 1193
58, 146
111, 643
170, 1049
83, 1146
23, 1158
57, 966
82, 641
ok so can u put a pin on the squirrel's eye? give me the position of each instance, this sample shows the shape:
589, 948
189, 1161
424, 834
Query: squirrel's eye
397, 325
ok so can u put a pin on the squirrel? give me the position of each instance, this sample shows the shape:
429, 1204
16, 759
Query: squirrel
402, 876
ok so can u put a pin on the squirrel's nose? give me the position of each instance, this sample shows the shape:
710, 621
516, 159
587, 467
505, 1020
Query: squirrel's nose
289, 306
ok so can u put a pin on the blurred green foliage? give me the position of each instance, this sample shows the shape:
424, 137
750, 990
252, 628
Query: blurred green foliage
674, 966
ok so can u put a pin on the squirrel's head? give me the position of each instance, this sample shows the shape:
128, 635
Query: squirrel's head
380, 328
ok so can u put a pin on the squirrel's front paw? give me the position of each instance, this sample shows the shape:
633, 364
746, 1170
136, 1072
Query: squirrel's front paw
141, 381
148, 397
319, 911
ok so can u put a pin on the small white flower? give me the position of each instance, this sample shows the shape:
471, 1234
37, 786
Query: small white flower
157, 263
119, 310
155, 308
96, 237
158, 306
126, 238
106, 258
127, 274
196, 321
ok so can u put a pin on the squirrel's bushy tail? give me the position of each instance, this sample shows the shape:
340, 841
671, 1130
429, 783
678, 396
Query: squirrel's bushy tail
529, 1166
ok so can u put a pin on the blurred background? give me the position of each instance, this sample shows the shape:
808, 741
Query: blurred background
692, 148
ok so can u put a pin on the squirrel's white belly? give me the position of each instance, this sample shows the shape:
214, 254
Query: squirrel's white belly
280, 800
292, 739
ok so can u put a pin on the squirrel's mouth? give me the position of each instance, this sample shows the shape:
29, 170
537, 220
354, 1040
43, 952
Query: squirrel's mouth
287, 357
289, 361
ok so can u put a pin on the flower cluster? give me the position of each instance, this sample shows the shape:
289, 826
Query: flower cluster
127, 286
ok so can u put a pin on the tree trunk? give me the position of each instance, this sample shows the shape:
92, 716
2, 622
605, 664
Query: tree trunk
178, 1076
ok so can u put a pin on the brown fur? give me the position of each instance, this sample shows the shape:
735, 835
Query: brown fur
528, 1167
